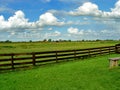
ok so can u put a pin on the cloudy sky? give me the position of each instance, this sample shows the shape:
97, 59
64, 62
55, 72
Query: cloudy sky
24, 20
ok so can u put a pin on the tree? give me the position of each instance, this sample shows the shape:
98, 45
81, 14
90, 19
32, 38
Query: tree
30, 41
49, 40
45, 40
8, 41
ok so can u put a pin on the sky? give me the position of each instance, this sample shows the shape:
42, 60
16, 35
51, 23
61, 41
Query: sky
36, 20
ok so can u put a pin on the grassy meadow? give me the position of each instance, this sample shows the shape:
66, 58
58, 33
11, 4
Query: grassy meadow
88, 74
16, 47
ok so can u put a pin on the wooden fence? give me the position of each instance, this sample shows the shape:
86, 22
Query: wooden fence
19, 60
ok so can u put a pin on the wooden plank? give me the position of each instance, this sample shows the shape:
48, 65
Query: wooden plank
45, 56
5, 54
22, 58
82, 52
3, 69
65, 51
46, 52
48, 60
4, 60
23, 63
63, 58
6, 64
67, 54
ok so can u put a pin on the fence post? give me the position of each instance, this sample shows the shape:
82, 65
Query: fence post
56, 56
116, 48
12, 61
100, 51
33, 58
75, 54
109, 50
89, 53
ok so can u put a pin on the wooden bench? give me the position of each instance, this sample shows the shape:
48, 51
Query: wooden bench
113, 62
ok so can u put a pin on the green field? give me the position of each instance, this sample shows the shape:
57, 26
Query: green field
89, 74
50, 46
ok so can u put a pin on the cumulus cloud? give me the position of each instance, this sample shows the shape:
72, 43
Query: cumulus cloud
18, 21
72, 30
87, 8
49, 19
76, 31
91, 9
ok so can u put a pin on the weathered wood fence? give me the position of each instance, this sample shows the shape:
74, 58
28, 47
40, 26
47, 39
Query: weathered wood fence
18, 60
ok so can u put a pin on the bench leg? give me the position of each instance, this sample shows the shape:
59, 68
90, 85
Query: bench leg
116, 63
113, 63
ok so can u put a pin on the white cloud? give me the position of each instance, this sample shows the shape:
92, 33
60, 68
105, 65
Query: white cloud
19, 22
87, 8
50, 28
3, 23
1, 18
49, 19
115, 12
72, 30
91, 9
75, 33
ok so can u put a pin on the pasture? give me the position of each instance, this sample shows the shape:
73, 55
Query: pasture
80, 74
89, 74
21, 47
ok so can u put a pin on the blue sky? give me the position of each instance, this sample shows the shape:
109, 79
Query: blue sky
24, 20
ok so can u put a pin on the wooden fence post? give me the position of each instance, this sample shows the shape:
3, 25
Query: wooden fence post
116, 48
56, 56
12, 61
33, 58
89, 53
75, 54
100, 51
109, 50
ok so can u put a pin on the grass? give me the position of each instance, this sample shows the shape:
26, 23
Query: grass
89, 74
48, 46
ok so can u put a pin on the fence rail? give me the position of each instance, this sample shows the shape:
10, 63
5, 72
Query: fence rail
18, 60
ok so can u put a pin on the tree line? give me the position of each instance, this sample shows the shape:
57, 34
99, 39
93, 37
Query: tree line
60, 40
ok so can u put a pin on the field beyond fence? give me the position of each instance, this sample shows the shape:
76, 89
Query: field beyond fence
19, 60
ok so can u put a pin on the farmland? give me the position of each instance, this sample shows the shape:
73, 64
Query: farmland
81, 74
51, 46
